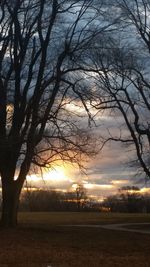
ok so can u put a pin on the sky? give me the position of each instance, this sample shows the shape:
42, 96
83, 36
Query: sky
104, 174
109, 170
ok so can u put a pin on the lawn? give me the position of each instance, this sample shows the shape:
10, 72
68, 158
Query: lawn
40, 241
58, 218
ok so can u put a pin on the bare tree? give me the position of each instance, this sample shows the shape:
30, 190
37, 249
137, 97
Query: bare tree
122, 84
44, 48
41, 200
128, 199
81, 196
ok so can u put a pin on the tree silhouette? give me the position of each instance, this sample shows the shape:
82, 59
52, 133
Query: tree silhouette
81, 196
43, 66
122, 82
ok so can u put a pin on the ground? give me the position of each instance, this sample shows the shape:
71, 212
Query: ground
44, 240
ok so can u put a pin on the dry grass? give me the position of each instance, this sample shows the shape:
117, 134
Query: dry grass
58, 218
38, 242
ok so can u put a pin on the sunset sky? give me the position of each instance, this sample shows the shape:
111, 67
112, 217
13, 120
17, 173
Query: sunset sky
104, 174
109, 170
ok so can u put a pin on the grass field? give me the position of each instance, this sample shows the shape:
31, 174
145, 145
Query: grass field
40, 241
59, 218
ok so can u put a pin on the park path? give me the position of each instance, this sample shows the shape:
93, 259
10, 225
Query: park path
117, 227
126, 227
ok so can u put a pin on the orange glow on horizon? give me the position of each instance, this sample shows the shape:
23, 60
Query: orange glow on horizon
145, 190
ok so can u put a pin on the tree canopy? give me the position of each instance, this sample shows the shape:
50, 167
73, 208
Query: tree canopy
122, 84
43, 65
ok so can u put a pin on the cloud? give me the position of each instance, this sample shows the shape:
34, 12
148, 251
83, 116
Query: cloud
106, 173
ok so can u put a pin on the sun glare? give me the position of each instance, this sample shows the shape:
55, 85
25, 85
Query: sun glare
56, 175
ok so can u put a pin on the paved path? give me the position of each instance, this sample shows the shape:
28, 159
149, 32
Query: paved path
118, 227
126, 227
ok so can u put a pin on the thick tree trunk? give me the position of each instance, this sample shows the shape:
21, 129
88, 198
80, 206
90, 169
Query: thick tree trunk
10, 203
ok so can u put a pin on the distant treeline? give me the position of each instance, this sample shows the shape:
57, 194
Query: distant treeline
128, 199
51, 200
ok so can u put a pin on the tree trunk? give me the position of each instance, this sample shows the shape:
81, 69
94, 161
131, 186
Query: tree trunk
10, 202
